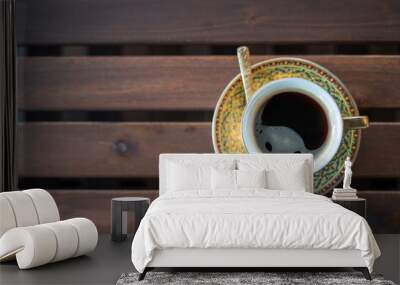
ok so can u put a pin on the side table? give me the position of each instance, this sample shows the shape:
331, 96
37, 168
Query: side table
358, 206
119, 214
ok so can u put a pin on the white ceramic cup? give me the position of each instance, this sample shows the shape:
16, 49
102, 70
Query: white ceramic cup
332, 113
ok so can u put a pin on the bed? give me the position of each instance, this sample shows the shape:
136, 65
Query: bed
247, 210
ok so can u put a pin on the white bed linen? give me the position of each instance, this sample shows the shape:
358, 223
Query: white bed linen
250, 219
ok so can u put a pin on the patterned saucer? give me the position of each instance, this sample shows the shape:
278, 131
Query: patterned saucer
226, 133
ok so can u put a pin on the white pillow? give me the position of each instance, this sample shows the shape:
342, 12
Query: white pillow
293, 178
186, 175
251, 178
281, 175
223, 179
230, 180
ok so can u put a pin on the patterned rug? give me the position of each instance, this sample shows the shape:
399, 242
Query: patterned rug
243, 278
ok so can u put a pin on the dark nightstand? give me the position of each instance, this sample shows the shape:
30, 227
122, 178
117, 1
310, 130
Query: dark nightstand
358, 206
119, 214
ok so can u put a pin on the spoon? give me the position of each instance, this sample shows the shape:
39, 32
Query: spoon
243, 55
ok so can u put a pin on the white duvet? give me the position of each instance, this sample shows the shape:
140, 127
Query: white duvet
250, 219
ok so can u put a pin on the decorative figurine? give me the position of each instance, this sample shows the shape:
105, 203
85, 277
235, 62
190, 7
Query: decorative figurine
347, 192
347, 174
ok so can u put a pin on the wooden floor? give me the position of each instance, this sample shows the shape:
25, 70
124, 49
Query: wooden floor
103, 266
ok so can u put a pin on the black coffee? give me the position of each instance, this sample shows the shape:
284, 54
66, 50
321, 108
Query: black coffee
300, 113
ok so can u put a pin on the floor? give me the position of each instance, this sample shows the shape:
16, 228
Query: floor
103, 266
111, 259
388, 264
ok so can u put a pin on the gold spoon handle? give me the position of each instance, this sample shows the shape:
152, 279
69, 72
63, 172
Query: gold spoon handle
355, 122
243, 54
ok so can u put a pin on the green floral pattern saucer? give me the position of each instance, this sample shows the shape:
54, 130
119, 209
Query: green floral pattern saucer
228, 113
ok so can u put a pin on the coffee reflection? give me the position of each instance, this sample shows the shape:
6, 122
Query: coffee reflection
291, 122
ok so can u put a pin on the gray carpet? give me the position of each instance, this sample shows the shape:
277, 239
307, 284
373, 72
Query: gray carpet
229, 278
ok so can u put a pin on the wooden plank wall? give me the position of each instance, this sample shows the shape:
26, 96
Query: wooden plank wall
104, 86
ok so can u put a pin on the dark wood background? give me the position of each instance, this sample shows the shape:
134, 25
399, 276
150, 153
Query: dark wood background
105, 86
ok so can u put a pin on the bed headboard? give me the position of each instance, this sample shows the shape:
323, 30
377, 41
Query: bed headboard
165, 157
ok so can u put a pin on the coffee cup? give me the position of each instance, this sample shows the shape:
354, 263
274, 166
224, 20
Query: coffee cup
294, 115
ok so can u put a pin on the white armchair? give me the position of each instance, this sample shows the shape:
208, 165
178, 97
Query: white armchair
31, 230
